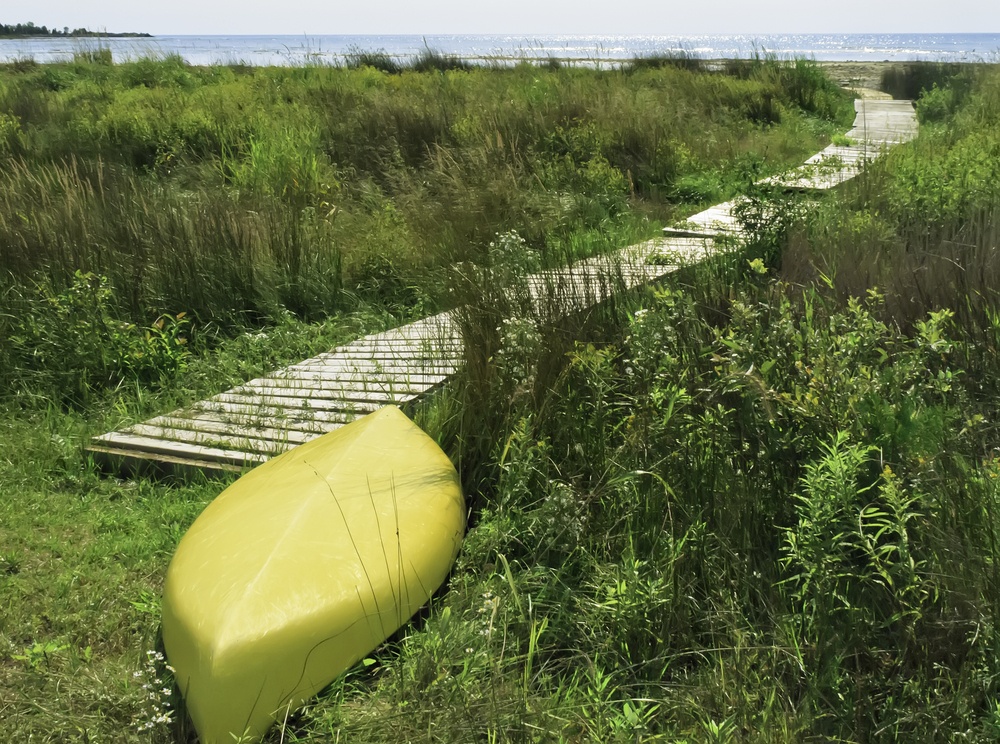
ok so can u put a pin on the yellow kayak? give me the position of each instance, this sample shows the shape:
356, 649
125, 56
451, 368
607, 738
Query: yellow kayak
303, 566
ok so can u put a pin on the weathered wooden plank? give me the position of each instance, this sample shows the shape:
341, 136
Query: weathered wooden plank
135, 462
122, 441
241, 410
818, 180
298, 404
715, 221
366, 364
323, 378
359, 368
333, 388
255, 421
387, 355
418, 333
404, 346
317, 397
208, 426
238, 442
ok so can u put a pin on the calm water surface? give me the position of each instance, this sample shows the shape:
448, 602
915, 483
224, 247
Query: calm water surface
296, 50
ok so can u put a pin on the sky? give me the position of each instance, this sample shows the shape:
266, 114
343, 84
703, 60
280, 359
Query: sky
525, 17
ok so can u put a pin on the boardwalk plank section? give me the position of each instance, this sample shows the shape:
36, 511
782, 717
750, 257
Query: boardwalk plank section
714, 222
878, 124
245, 426
172, 423
208, 457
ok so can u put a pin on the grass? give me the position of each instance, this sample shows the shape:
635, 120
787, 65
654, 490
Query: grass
234, 194
754, 503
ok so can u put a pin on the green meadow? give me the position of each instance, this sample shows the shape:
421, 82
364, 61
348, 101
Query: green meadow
756, 502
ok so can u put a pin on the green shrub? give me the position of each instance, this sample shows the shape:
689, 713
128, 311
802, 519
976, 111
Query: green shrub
935, 105
73, 343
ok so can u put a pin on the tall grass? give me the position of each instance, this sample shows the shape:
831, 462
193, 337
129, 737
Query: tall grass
734, 508
681, 58
236, 195
756, 502
920, 225
728, 510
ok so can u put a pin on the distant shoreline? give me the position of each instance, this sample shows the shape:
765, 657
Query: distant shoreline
30, 31
91, 35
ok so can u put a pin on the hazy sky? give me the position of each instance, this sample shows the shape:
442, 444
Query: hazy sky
525, 17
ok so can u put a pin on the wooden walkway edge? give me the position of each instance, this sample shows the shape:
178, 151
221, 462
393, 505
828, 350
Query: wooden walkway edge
250, 423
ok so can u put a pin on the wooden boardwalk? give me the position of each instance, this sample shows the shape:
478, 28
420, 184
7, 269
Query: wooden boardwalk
259, 419
878, 124
252, 422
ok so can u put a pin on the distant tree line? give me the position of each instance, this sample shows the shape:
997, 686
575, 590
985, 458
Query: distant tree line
30, 29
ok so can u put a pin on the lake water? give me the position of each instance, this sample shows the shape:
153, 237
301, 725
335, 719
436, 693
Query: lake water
296, 50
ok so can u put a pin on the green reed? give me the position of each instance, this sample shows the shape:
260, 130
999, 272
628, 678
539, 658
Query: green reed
234, 195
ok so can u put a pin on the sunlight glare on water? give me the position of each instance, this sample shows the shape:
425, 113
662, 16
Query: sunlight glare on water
297, 50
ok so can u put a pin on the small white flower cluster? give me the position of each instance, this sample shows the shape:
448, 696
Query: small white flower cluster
509, 243
653, 334
561, 517
519, 347
512, 252
159, 709
488, 613
562, 514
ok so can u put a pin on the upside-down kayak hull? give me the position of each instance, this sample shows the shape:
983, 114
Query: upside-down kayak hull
303, 566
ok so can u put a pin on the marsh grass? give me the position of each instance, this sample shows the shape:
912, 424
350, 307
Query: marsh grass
432, 60
683, 59
755, 502
378, 59
747, 505
693, 518
233, 196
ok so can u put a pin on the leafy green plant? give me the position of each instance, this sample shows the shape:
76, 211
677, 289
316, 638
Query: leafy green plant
41, 654
936, 105
74, 344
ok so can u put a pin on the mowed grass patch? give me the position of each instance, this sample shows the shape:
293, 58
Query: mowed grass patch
82, 559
